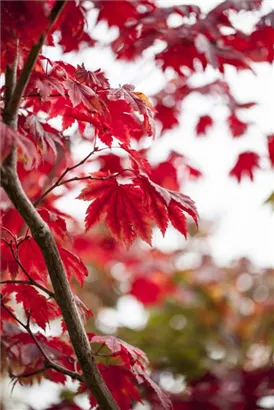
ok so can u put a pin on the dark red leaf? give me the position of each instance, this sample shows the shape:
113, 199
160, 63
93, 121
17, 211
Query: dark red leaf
246, 164
73, 265
205, 122
237, 127
26, 146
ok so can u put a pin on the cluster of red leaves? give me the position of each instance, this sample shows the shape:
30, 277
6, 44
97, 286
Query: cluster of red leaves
236, 390
131, 199
130, 209
198, 41
24, 356
17, 14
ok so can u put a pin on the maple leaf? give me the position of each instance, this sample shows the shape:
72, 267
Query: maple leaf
143, 377
121, 124
32, 259
139, 162
40, 309
128, 353
165, 174
237, 127
12, 220
45, 85
72, 29
137, 101
168, 116
8, 263
128, 12
204, 123
22, 348
246, 163
46, 136
164, 204
122, 204
81, 93
121, 383
73, 265
14, 16
10, 136
270, 145
94, 79
56, 223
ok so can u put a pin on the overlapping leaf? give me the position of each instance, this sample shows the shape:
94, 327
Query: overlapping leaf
35, 305
246, 164
122, 205
131, 209
27, 147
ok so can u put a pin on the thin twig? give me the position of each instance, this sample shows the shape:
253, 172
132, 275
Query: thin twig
74, 179
30, 374
7, 230
27, 282
57, 183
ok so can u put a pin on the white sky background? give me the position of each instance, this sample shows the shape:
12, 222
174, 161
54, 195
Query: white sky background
245, 226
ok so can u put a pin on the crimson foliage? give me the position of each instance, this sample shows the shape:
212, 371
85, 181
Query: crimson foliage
126, 194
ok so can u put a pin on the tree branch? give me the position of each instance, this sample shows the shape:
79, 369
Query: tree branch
27, 282
14, 101
45, 240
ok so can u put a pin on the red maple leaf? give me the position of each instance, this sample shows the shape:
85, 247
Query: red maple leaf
122, 385
245, 165
40, 309
204, 123
27, 147
143, 377
122, 204
57, 225
94, 79
137, 101
237, 127
164, 205
168, 116
129, 354
32, 259
81, 93
45, 136
73, 265
8, 263
22, 349
45, 85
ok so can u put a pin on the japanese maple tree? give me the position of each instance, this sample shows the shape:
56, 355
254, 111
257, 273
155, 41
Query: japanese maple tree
46, 253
